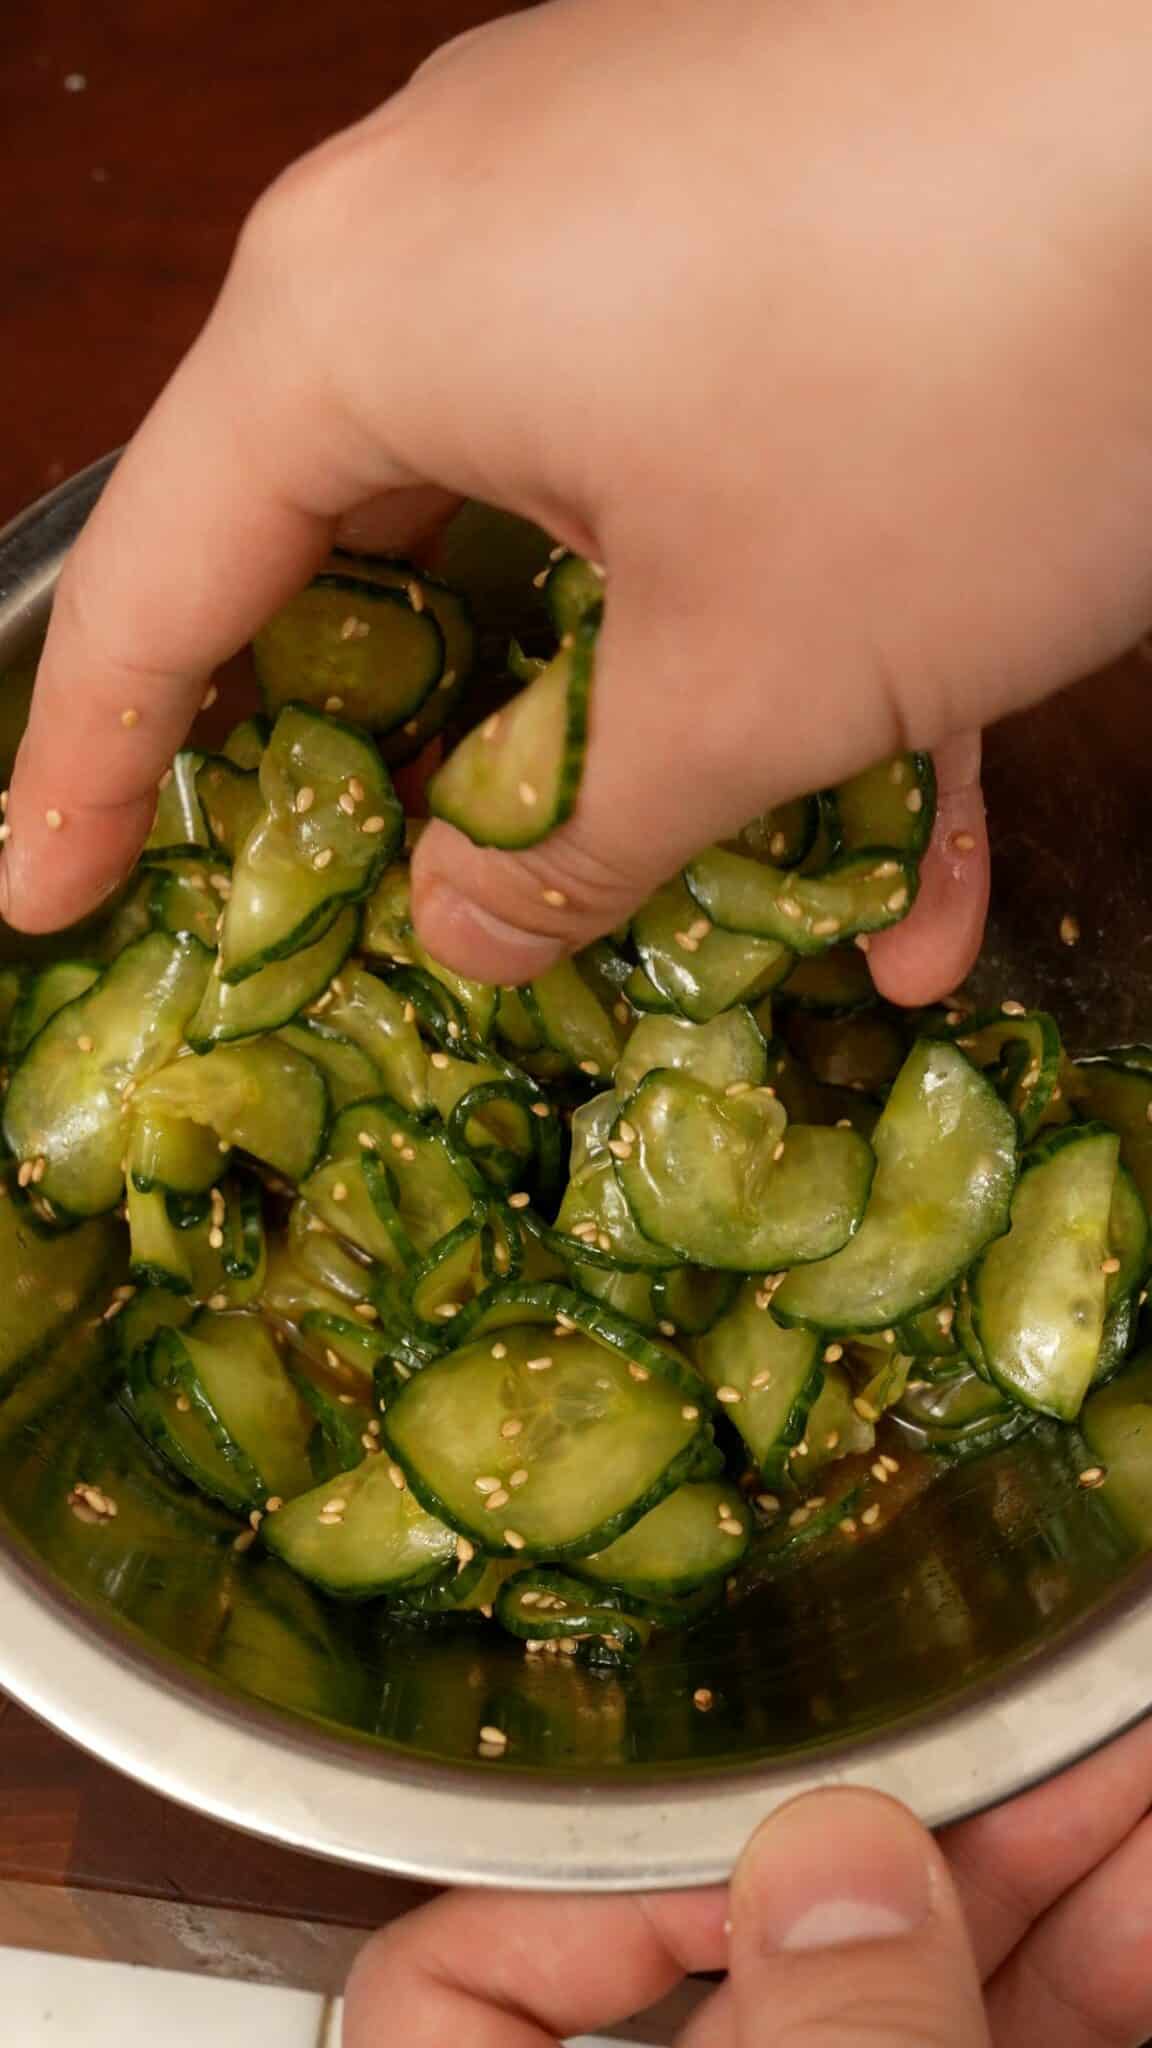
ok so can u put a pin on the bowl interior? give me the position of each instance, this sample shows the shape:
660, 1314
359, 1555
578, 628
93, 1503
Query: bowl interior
986, 1566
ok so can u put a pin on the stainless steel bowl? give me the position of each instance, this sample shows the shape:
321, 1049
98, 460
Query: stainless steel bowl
998, 1631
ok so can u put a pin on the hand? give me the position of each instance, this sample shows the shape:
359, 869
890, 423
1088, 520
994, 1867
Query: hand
822, 327
848, 1926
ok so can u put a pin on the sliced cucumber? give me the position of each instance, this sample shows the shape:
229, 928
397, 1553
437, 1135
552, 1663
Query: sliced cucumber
945, 1150
696, 1534
836, 980
961, 1416
550, 1607
231, 800
700, 972
263, 1097
515, 778
1039, 1294
573, 1020
41, 996
728, 1051
721, 1181
783, 835
46, 1278
602, 1437
454, 618
351, 646
1116, 1088
692, 1298
179, 826
1022, 1056
246, 743
834, 1428
891, 805
383, 1024
184, 899
330, 824
1116, 1425
349, 1075
859, 892
66, 1103
360, 1535
775, 1375
403, 1188
573, 593
275, 993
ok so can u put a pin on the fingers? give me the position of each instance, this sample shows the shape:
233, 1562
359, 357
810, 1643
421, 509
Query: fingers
929, 955
688, 739
1083, 1978
1011, 1864
845, 1928
508, 1970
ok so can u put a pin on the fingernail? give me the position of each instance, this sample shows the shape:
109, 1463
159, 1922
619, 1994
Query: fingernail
832, 1869
475, 941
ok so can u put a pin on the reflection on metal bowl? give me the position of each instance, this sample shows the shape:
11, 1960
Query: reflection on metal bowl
990, 1632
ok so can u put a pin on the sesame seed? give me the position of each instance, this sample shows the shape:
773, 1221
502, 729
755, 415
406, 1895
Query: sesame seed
848, 1526
409, 1013
397, 1477
686, 943
447, 679
589, 1067
699, 928
334, 1507
372, 826
499, 1351
541, 1109
880, 1472
555, 897
486, 1483
730, 1526
798, 1517
833, 1352
539, 1364
889, 1463
24, 1173
702, 1699
863, 942
366, 1312
897, 770
729, 1396
84, 1043
865, 1410
638, 1372
439, 1060
963, 842
528, 794
493, 1738
1012, 1009
1092, 1475
447, 1309
53, 819
165, 779
183, 1404
322, 859
5, 834
344, 803
129, 717
738, 1088
209, 697
333, 703
1110, 1265
788, 907
778, 1150
778, 844
517, 1201
496, 1500
619, 1149
217, 1301
888, 1336
465, 1550
870, 1517
897, 900
339, 1192
801, 1450
825, 927
519, 1477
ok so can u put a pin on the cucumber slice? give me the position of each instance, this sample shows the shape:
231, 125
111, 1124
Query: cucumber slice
775, 1374
573, 1020
263, 1097
515, 778
185, 900
66, 1101
550, 1607
722, 1181
46, 1279
456, 1270
699, 973
784, 835
1116, 1425
602, 1437
488, 1116
891, 805
573, 593
349, 1075
692, 1298
835, 980
231, 801
389, 933
275, 993
643, 995
298, 866
834, 1428
454, 618
246, 743
161, 1254
697, 1533
241, 1404
129, 920
42, 995
727, 1051
1039, 1294
383, 1024
625, 1290
859, 892
348, 645
961, 1416
179, 828
1023, 1057
595, 1223
403, 1186
945, 1150
378, 1539
1116, 1088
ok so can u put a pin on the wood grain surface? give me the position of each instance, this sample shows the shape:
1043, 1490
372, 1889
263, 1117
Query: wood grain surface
133, 139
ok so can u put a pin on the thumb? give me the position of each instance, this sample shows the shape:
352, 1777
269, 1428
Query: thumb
845, 1929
